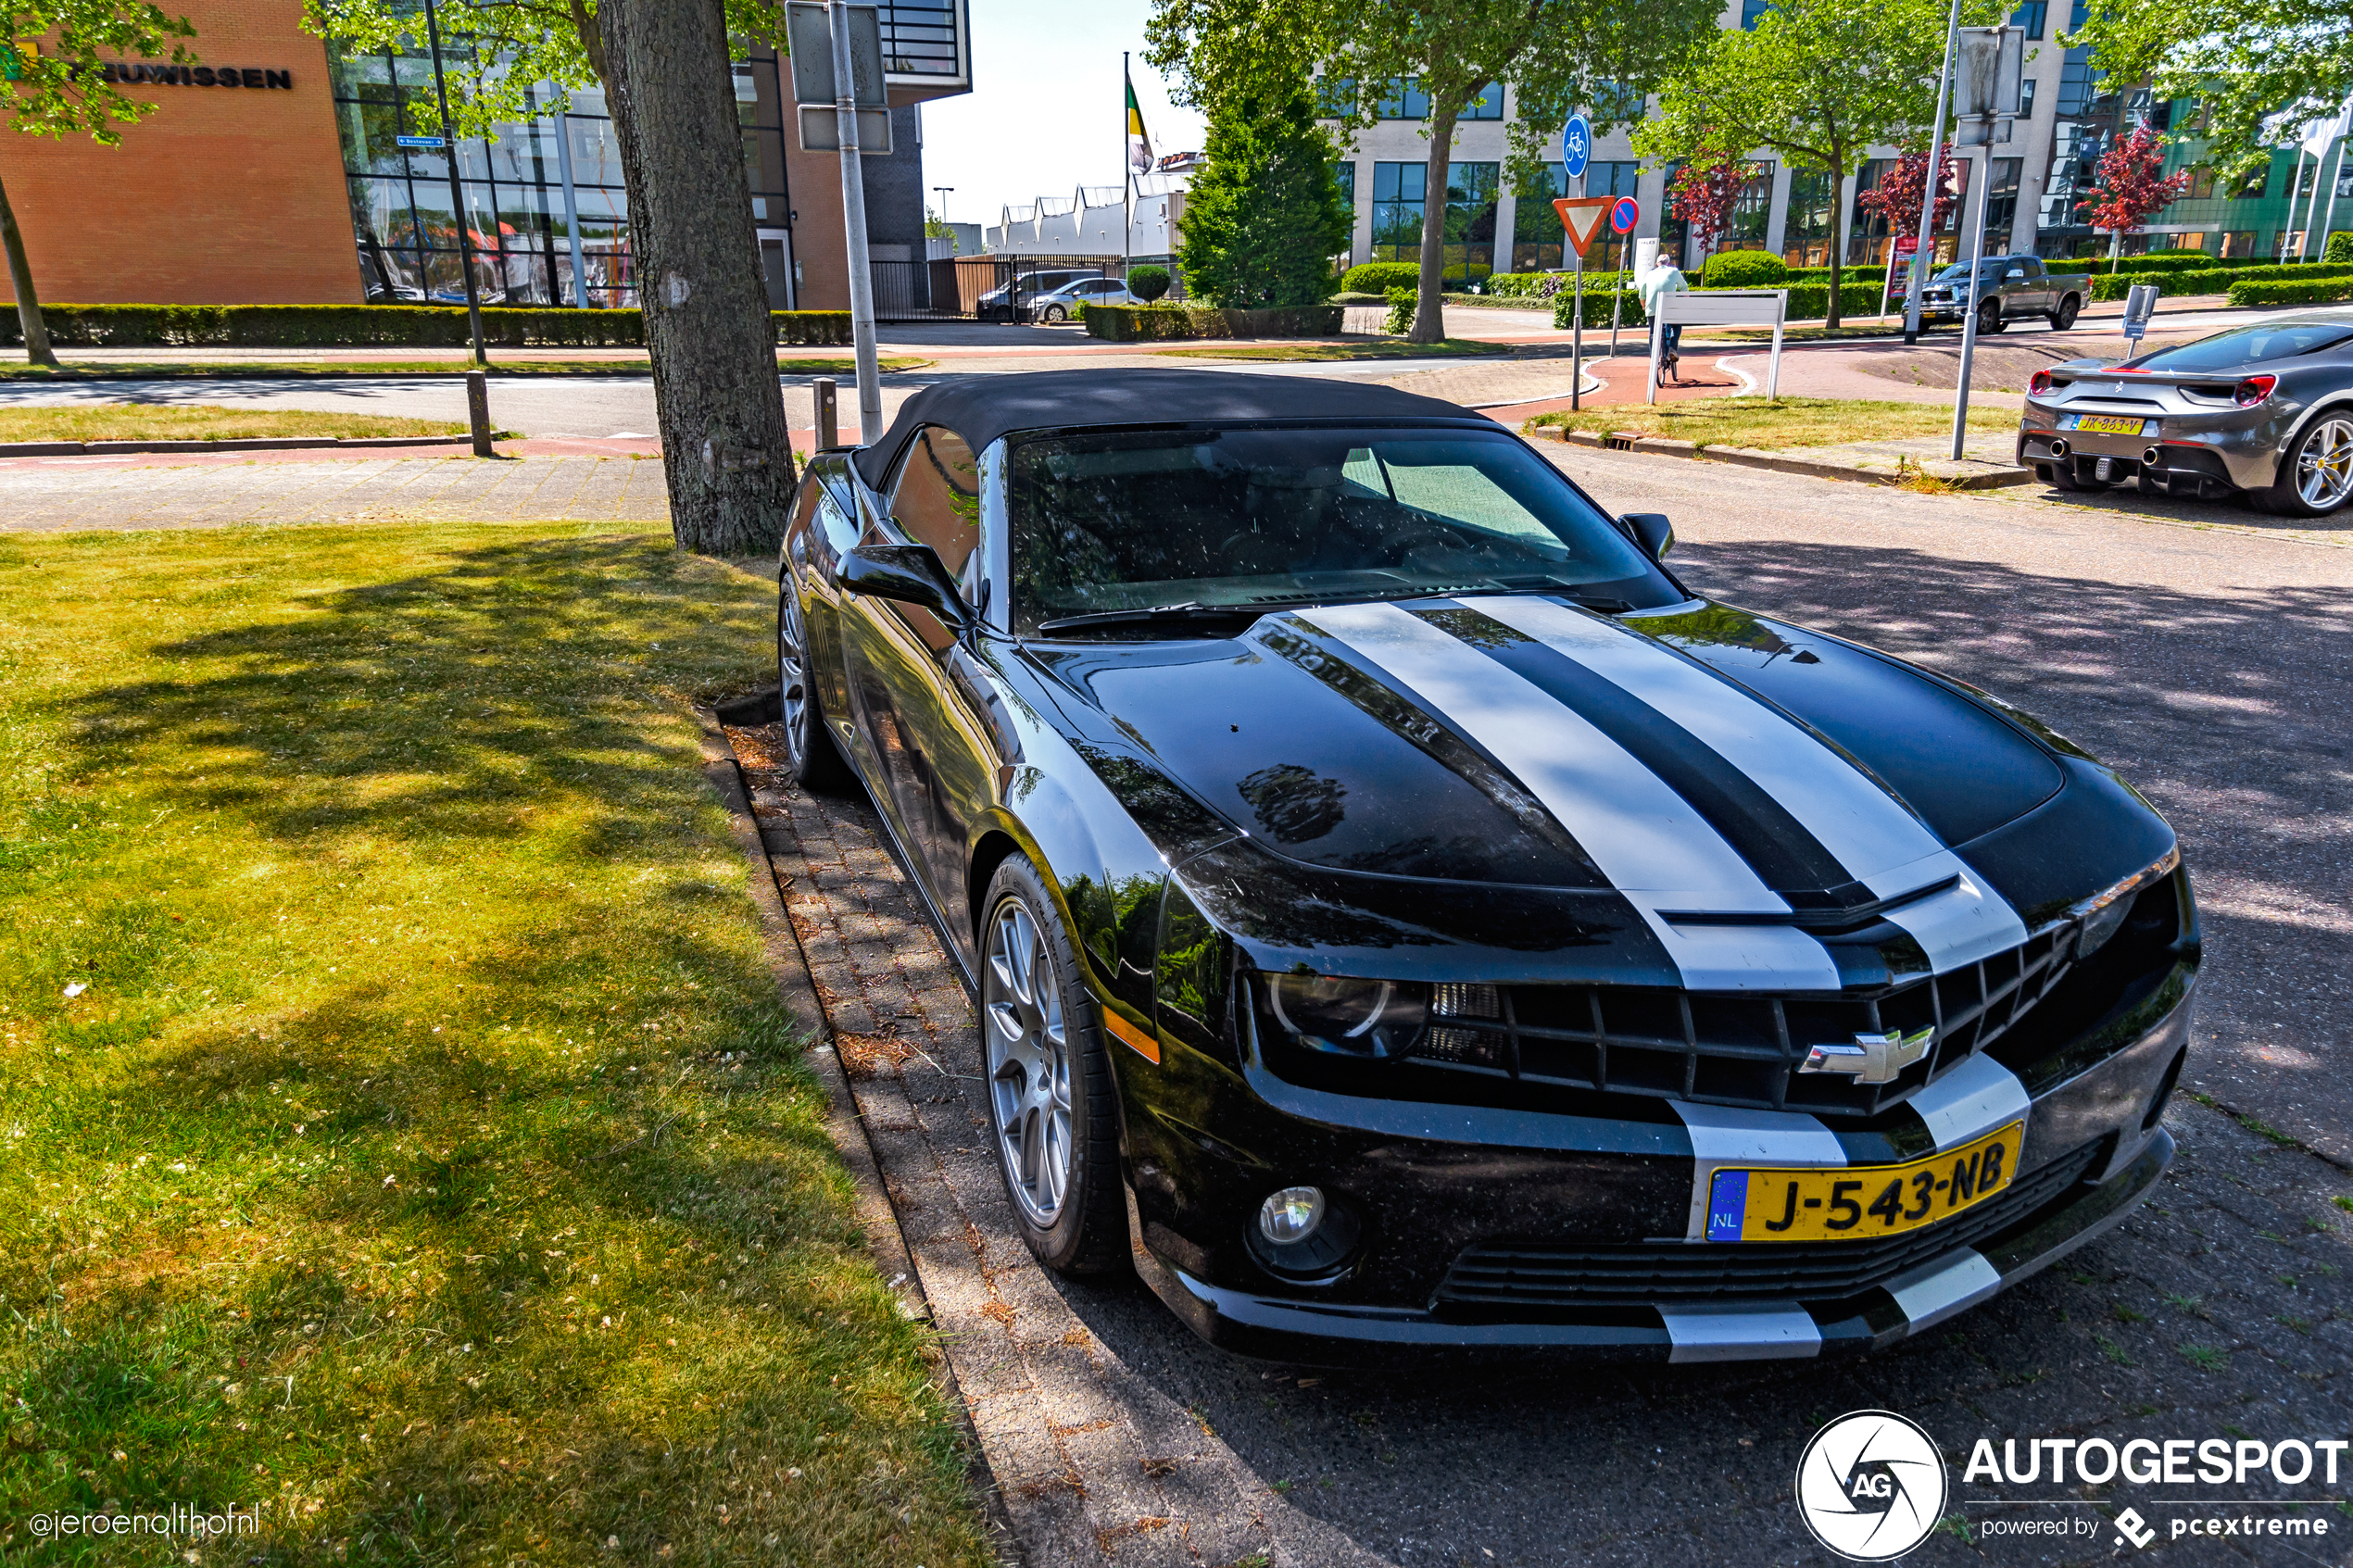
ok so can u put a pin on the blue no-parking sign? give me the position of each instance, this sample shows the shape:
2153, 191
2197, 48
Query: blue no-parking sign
1624, 215
1577, 148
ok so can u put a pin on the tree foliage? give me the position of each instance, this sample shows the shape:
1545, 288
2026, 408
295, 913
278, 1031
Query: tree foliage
2259, 69
1896, 198
1263, 217
1706, 188
498, 52
56, 86
1557, 55
2130, 186
1818, 82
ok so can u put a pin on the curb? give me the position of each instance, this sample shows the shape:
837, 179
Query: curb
1744, 456
252, 444
843, 1124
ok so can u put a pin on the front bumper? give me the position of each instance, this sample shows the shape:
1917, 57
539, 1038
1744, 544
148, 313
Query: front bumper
1489, 1172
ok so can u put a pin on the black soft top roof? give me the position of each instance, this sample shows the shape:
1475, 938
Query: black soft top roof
981, 409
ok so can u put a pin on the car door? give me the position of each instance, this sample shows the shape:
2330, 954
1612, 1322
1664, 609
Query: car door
823, 526
932, 750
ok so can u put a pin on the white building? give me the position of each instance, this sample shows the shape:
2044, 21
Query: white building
1086, 223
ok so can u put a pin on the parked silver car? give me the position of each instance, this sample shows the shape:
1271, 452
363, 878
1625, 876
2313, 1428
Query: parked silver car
1060, 305
2264, 413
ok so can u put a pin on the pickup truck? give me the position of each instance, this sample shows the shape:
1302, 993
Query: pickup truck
2010, 288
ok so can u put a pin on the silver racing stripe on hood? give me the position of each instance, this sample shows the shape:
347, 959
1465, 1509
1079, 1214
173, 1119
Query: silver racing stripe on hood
1658, 852
1872, 834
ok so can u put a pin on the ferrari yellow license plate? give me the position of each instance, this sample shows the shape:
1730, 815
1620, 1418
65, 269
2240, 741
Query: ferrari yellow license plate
1859, 1202
2108, 424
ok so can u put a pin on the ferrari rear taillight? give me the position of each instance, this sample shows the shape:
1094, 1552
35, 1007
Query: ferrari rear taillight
2038, 383
2253, 390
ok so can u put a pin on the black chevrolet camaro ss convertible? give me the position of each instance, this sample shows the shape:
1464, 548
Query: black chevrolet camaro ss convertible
1403, 914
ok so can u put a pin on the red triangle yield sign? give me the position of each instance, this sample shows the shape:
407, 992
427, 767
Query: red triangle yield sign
1584, 218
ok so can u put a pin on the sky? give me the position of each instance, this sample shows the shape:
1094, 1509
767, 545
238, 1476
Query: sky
1045, 114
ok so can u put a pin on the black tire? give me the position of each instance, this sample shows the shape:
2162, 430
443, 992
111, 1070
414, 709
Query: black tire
2064, 317
1082, 1228
2327, 443
1989, 318
811, 757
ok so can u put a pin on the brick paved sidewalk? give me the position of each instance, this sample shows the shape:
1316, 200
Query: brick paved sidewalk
2221, 1309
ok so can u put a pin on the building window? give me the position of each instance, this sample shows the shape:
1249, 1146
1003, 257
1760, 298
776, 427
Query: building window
2026, 99
1867, 237
1405, 99
2238, 243
1471, 190
1753, 12
1746, 230
1537, 240
1806, 223
1335, 97
1344, 176
1488, 104
2001, 205
2255, 187
2031, 17
2201, 184
1398, 189
1615, 101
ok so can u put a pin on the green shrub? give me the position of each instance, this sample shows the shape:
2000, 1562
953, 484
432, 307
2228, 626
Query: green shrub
1514, 285
2339, 248
1380, 277
2162, 261
1846, 275
1745, 269
1153, 323
1149, 283
2312, 292
2214, 280
373, 326
1597, 307
1401, 312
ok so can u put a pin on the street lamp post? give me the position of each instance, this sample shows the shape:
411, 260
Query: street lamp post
457, 193
1920, 255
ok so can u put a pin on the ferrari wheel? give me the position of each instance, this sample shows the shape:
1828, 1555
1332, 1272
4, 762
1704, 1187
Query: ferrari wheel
1047, 1081
2316, 473
808, 749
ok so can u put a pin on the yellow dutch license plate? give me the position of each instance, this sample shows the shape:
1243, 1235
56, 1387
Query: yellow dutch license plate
2108, 424
1859, 1203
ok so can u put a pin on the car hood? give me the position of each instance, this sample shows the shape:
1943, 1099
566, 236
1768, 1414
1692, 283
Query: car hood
1522, 741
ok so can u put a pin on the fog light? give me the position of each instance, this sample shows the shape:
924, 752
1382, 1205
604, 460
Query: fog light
1291, 1216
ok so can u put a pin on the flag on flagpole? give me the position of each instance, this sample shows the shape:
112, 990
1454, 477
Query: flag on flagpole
1139, 146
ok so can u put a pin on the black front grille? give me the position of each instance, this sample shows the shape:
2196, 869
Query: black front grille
1521, 1275
1740, 1048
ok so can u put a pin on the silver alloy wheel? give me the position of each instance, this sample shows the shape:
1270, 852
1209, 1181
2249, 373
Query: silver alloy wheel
2324, 465
792, 678
1028, 1062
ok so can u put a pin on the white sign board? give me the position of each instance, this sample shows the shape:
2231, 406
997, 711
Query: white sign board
1719, 308
808, 27
820, 129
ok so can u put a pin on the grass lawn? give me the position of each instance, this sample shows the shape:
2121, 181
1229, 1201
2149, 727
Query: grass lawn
1776, 425
199, 422
1383, 348
304, 370
399, 1133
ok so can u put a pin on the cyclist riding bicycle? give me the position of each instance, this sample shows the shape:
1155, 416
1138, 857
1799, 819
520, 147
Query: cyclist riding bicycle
1663, 278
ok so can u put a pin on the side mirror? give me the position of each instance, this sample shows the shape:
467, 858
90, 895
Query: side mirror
1651, 530
910, 574
2015, 271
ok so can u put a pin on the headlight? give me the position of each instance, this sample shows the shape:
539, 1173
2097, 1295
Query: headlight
1327, 1012
2103, 913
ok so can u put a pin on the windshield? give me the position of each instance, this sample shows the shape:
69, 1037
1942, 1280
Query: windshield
1129, 519
2244, 345
1991, 267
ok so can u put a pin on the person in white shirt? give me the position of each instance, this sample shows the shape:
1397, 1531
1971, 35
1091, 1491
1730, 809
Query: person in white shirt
1663, 278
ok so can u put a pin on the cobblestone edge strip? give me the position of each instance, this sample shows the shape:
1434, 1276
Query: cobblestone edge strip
1662, 447
843, 1123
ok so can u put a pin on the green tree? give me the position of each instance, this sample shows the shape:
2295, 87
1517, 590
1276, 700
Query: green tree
1265, 217
1556, 55
55, 56
664, 65
2259, 69
1818, 82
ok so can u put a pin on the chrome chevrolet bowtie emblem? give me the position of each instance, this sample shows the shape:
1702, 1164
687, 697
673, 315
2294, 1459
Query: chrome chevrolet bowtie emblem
1872, 1058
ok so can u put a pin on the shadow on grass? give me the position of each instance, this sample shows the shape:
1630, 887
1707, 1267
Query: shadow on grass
459, 1190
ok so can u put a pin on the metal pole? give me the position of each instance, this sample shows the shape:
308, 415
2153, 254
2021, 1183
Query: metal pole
1969, 321
1126, 173
478, 412
1928, 195
829, 413
572, 209
457, 195
2312, 208
853, 216
1617, 293
2293, 182
2328, 220
1577, 339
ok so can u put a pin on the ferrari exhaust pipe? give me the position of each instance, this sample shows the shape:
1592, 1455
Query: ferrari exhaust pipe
2059, 447
2153, 459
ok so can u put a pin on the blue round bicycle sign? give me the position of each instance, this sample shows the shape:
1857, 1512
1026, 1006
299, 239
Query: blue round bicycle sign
1577, 148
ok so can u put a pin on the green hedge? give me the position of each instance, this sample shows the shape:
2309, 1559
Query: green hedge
373, 326
1380, 277
2214, 280
1873, 275
1744, 269
1808, 302
2313, 291
1150, 324
2162, 261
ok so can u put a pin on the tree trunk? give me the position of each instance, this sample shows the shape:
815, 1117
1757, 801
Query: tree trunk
726, 453
1430, 313
36, 332
1838, 243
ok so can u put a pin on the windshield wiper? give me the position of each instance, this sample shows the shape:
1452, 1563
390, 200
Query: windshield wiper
1190, 610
